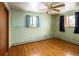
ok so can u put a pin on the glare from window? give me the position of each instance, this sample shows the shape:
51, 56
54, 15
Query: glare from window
71, 21
33, 21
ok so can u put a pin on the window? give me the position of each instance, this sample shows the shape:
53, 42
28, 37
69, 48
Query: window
71, 21
32, 21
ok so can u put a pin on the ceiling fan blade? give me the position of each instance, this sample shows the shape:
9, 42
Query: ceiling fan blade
56, 10
60, 5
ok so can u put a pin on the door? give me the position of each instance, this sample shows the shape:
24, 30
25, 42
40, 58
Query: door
3, 29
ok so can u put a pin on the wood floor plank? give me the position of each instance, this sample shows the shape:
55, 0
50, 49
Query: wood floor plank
50, 47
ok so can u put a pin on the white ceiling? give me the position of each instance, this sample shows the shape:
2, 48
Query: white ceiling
37, 7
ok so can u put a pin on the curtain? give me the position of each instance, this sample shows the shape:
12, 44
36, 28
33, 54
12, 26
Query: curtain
62, 28
76, 30
28, 17
37, 21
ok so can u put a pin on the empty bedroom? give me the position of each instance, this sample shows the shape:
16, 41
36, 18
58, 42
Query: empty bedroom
39, 28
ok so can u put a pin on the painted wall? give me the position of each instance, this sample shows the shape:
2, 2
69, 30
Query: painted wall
68, 35
19, 33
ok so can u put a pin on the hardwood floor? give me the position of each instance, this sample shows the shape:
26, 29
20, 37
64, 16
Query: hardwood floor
50, 47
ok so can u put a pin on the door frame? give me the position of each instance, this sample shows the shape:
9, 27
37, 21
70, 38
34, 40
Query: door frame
7, 11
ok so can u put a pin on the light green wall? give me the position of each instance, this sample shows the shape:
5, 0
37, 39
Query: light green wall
49, 27
19, 33
67, 35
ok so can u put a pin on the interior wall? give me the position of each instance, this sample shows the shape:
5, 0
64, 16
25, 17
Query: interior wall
19, 32
68, 35
49, 27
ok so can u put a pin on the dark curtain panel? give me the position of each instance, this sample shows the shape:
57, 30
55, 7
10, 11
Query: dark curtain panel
76, 30
62, 28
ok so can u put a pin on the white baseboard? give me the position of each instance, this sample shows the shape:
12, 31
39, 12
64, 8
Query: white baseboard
19, 43
71, 41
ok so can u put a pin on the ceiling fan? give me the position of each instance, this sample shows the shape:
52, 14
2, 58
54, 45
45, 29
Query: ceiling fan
52, 7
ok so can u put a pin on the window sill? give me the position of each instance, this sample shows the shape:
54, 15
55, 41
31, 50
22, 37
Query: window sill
70, 27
